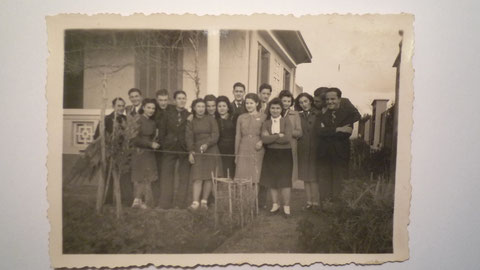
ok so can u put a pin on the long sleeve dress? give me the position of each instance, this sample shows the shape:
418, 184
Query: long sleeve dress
249, 160
144, 164
226, 144
201, 131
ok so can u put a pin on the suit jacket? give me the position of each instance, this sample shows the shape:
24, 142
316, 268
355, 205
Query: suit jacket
129, 109
346, 104
238, 110
331, 143
160, 113
171, 130
109, 124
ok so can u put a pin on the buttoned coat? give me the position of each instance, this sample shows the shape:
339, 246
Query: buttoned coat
330, 142
171, 130
296, 124
307, 147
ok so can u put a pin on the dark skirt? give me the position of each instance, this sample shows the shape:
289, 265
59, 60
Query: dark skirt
227, 147
277, 168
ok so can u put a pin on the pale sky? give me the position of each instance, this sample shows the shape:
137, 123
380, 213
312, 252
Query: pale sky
355, 56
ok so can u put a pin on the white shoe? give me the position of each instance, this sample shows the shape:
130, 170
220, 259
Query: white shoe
194, 205
286, 210
137, 203
275, 208
204, 205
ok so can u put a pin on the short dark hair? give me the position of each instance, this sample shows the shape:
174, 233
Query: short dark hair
161, 92
195, 102
319, 91
134, 90
147, 101
210, 97
336, 90
255, 98
239, 84
178, 92
114, 101
274, 101
265, 86
297, 100
227, 101
286, 93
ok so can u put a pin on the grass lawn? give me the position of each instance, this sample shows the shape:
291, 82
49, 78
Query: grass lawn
138, 231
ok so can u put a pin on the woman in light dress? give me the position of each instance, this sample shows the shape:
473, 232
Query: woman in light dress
248, 143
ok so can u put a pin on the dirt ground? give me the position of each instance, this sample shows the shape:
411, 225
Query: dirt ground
271, 233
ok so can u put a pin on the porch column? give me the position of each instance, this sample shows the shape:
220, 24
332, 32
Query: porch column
213, 62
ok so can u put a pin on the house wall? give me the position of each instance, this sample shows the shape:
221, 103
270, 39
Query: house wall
276, 65
298, 90
118, 83
234, 61
239, 63
189, 65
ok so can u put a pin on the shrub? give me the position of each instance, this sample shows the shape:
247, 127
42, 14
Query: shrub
360, 221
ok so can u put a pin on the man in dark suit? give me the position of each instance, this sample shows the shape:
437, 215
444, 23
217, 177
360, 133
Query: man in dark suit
126, 186
333, 127
161, 97
172, 138
118, 105
135, 96
345, 103
238, 103
264, 93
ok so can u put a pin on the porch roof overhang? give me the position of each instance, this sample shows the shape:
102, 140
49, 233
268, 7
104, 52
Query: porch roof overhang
290, 44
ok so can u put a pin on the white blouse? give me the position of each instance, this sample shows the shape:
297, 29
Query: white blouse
276, 125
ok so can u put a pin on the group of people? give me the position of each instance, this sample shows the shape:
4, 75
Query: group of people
270, 141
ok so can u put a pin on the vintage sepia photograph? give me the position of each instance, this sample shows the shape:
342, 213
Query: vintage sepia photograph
187, 140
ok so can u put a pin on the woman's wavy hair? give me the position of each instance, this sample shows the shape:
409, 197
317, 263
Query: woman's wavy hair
227, 101
297, 100
274, 101
147, 101
286, 93
255, 98
195, 102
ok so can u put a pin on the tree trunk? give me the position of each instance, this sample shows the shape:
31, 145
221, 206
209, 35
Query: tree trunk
101, 183
116, 189
116, 173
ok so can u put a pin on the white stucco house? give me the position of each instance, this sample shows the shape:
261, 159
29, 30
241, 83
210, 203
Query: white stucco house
198, 62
